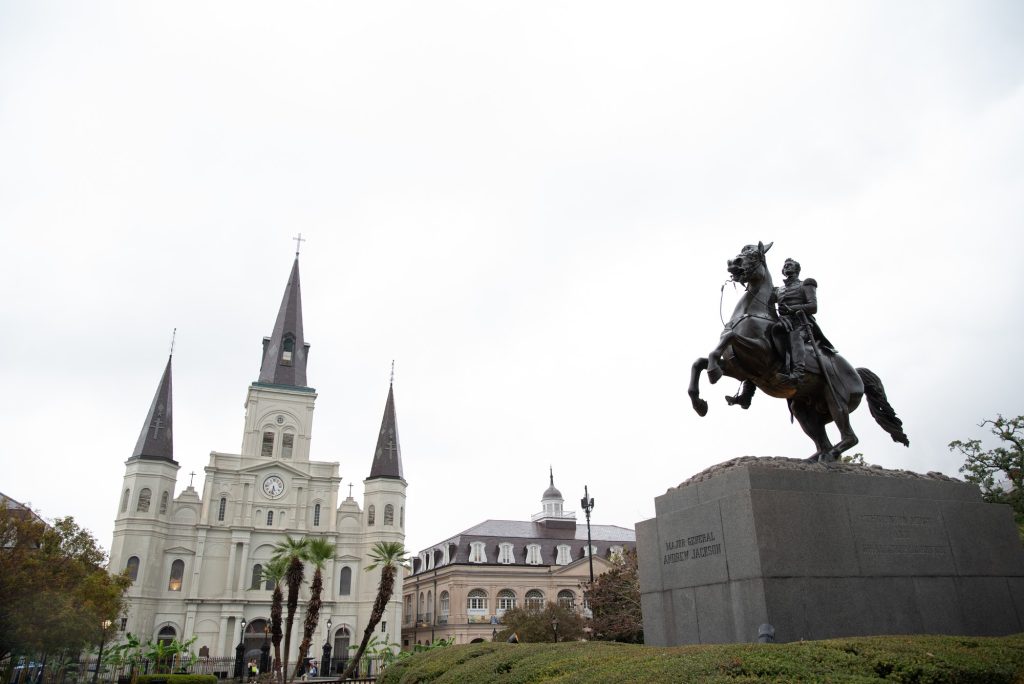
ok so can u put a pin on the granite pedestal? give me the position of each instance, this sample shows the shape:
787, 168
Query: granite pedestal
821, 552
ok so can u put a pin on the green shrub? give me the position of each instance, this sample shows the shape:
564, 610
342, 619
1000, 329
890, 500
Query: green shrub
906, 659
177, 679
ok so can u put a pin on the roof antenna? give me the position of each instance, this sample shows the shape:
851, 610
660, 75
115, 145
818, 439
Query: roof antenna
392, 371
551, 475
173, 335
298, 244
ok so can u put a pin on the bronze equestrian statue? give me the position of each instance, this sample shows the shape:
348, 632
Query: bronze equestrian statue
820, 385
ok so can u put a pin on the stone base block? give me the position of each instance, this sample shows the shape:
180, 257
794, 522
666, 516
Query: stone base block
821, 552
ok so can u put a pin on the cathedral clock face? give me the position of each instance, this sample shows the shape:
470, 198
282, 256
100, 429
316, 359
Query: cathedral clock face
273, 486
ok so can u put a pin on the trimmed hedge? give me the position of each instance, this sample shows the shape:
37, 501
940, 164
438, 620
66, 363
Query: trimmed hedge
177, 679
907, 659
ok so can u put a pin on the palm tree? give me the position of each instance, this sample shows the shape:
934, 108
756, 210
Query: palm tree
389, 557
274, 572
318, 552
290, 552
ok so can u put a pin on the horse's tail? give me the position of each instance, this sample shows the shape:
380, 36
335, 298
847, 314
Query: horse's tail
883, 413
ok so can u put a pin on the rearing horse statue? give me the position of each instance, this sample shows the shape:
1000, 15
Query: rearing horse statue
751, 350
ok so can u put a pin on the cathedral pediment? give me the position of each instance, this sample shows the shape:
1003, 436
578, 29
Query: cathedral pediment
276, 466
178, 550
349, 557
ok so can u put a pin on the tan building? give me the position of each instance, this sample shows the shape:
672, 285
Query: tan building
463, 585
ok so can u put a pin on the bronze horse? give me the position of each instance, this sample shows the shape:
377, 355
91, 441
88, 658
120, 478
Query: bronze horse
752, 350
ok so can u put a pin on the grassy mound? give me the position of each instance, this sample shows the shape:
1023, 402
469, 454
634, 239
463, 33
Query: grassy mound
918, 659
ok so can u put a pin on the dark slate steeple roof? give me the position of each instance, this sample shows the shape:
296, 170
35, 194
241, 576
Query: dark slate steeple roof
552, 491
387, 459
156, 442
286, 340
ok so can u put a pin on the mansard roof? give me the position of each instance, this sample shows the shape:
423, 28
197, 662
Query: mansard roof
156, 441
285, 352
508, 530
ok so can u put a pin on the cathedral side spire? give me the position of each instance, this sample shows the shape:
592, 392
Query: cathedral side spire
285, 351
387, 458
156, 441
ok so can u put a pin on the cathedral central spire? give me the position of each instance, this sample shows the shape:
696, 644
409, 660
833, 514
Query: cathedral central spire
285, 351
387, 457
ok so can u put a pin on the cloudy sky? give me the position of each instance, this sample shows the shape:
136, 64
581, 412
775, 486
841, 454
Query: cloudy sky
528, 205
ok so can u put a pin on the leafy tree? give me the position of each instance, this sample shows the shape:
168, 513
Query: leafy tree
291, 551
998, 471
274, 572
318, 551
535, 625
55, 592
389, 557
615, 601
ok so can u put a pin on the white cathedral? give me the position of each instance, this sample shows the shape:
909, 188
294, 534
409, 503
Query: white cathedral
196, 561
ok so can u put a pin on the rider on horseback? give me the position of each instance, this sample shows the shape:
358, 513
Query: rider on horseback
798, 302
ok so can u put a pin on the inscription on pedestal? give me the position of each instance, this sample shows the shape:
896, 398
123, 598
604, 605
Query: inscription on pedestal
692, 548
911, 540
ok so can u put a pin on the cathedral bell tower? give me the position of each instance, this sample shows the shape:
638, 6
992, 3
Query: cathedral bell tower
279, 405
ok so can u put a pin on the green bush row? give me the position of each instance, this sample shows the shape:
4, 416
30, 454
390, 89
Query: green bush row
177, 679
907, 659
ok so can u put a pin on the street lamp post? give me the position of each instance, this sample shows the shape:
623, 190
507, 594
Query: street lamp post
265, 649
240, 652
325, 661
104, 626
554, 625
587, 504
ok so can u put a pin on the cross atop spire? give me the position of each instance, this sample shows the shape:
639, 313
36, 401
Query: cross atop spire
392, 371
298, 244
173, 336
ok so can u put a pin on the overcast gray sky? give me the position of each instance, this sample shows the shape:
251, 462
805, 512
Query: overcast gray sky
528, 205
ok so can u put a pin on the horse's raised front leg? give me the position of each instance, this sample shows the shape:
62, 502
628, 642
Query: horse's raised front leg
699, 405
743, 397
715, 358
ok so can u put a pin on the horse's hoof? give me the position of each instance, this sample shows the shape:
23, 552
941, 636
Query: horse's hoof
701, 407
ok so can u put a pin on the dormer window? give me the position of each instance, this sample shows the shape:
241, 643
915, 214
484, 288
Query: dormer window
477, 553
505, 555
564, 555
533, 554
287, 350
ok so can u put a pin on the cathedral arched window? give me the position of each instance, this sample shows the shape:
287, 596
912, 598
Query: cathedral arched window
177, 575
567, 599
163, 503
316, 515
389, 515
124, 500
166, 635
267, 450
535, 599
222, 508
371, 515
132, 567
287, 445
257, 576
144, 496
401, 517
270, 518
345, 586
